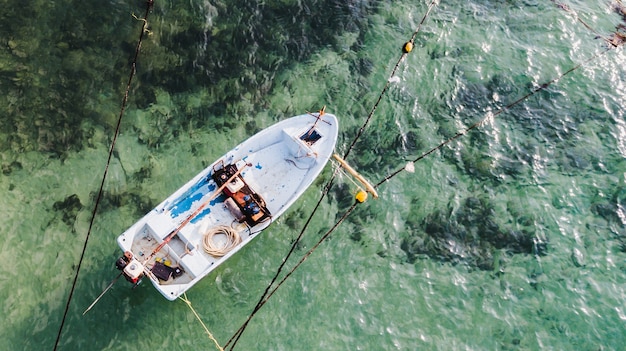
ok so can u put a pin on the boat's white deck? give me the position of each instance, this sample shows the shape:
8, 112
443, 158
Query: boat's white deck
276, 165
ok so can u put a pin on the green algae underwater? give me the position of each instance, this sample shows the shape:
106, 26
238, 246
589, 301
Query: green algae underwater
510, 238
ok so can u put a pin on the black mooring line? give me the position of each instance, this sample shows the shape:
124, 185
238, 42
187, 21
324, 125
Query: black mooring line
149, 5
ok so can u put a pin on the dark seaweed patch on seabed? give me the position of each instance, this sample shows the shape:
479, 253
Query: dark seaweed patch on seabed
469, 235
65, 81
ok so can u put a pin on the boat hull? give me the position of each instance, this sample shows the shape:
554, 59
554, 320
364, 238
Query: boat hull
227, 204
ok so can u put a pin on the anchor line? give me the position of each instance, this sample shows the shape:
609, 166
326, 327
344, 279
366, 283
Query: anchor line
149, 5
206, 329
269, 291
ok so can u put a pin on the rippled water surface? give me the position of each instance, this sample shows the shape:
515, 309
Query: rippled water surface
510, 237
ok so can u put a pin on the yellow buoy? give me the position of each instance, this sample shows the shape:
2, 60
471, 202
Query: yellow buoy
361, 196
408, 46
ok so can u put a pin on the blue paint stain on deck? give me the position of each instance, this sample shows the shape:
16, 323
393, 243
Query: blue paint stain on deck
201, 215
220, 199
193, 189
184, 205
195, 193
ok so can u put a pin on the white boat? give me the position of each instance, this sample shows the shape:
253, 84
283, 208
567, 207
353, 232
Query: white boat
226, 205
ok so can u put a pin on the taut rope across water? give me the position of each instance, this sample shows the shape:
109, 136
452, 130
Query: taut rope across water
149, 5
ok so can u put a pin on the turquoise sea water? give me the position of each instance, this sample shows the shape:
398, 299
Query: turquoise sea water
509, 238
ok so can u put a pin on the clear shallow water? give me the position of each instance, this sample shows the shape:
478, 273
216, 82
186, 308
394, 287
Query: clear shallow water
417, 269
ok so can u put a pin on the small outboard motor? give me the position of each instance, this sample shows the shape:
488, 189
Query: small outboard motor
130, 267
123, 261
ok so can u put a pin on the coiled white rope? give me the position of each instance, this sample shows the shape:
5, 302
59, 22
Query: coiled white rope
216, 250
